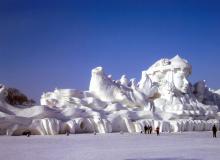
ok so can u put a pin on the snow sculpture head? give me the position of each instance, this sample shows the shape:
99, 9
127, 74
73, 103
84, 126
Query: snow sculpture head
175, 71
182, 69
180, 81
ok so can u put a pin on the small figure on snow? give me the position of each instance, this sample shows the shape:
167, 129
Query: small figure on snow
145, 129
158, 131
27, 133
67, 132
214, 130
150, 129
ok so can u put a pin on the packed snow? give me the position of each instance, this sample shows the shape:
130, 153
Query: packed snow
163, 97
112, 146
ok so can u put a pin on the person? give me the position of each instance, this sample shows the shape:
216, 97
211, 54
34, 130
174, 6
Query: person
158, 131
214, 130
145, 129
150, 129
67, 132
27, 133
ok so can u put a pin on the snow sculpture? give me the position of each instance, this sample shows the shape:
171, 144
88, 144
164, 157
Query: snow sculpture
124, 80
109, 91
200, 90
163, 97
206, 95
175, 71
104, 88
2, 92
175, 92
146, 86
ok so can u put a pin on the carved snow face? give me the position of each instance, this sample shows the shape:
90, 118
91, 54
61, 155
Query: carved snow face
180, 81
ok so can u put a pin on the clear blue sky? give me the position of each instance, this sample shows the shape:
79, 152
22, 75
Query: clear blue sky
47, 44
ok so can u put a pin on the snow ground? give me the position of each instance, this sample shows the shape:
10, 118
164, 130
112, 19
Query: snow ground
112, 146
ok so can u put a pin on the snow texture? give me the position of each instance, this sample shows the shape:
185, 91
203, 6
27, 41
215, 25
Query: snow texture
113, 146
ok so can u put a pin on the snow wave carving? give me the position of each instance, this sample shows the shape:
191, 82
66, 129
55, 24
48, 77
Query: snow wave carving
109, 91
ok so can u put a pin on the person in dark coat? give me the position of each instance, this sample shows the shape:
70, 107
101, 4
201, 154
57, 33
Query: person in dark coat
158, 131
150, 129
214, 130
27, 133
145, 129
67, 132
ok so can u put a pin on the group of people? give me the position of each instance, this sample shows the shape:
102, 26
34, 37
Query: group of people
148, 130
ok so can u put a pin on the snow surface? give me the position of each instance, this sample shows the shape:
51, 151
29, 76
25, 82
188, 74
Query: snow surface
113, 146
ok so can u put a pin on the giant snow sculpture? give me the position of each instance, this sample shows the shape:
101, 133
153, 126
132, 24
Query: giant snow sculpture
163, 97
176, 94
